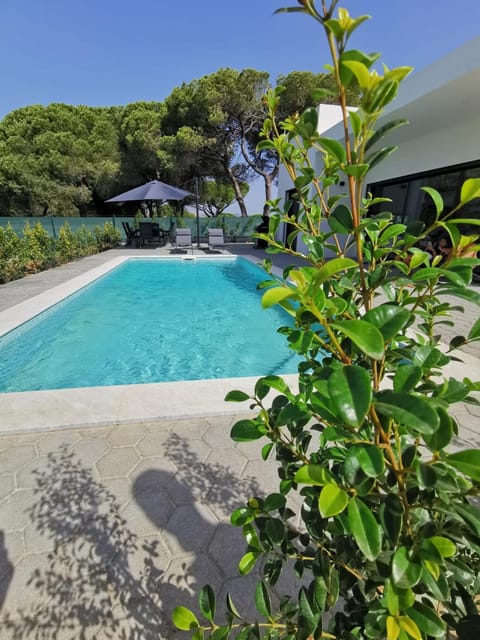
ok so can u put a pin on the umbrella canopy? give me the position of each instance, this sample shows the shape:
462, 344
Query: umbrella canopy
153, 190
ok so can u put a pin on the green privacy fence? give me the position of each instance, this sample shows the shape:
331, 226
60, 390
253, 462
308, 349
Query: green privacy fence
233, 228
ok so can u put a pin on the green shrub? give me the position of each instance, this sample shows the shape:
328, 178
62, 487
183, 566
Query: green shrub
386, 541
65, 245
86, 241
12, 258
107, 237
38, 247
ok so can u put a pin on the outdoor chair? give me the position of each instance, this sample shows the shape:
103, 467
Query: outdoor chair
215, 239
132, 235
147, 233
183, 239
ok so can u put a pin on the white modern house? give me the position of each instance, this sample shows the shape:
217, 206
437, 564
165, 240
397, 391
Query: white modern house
439, 148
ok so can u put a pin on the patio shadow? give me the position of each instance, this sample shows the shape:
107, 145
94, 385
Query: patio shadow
99, 579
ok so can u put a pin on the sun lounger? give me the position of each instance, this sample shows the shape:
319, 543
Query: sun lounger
183, 239
215, 239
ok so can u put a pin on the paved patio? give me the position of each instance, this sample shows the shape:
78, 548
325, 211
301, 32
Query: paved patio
104, 530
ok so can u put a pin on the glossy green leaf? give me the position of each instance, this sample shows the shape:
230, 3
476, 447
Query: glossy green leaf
334, 148
364, 528
392, 231
206, 602
332, 501
459, 292
275, 530
184, 619
356, 170
445, 546
274, 502
474, 332
340, 220
262, 600
333, 267
266, 449
359, 70
405, 573
438, 588
410, 627
412, 411
407, 376
388, 318
247, 430
247, 562
308, 122
470, 190
242, 516
436, 197
232, 608
467, 462
275, 382
370, 459
391, 516
351, 393
364, 335
236, 396
443, 435
427, 620
383, 130
379, 156
313, 474
275, 295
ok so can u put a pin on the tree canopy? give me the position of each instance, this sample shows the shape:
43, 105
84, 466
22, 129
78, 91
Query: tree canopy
67, 160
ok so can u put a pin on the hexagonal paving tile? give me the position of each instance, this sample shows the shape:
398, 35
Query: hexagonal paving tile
226, 548
120, 488
15, 457
264, 473
15, 510
24, 592
148, 512
125, 435
57, 439
28, 476
36, 541
185, 577
189, 529
229, 459
186, 454
117, 462
7, 484
191, 428
242, 592
89, 450
218, 436
154, 443
151, 474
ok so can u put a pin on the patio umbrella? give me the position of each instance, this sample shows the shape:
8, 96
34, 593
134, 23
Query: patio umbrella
153, 190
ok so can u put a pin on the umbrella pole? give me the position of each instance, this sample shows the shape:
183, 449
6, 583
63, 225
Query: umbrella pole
197, 212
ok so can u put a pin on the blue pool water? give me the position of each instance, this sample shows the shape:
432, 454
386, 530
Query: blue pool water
151, 321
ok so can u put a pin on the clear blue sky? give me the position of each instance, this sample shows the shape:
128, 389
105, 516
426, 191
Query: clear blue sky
111, 52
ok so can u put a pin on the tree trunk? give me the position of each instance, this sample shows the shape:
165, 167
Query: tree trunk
238, 193
269, 178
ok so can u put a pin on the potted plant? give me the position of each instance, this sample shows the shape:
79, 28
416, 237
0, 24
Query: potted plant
389, 525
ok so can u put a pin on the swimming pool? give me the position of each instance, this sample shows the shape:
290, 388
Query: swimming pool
151, 320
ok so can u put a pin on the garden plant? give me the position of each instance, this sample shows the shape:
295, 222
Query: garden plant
35, 249
388, 535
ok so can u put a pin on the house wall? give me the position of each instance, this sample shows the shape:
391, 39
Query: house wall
441, 103
440, 148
